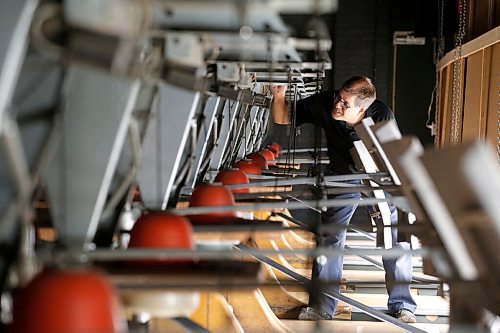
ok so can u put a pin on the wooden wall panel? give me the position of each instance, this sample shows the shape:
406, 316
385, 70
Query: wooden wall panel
481, 97
444, 125
492, 117
472, 120
443, 74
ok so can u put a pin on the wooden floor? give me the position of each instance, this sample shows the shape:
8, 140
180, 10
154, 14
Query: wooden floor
275, 308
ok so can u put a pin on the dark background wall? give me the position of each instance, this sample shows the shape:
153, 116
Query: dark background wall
362, 43
404, 75
362, 33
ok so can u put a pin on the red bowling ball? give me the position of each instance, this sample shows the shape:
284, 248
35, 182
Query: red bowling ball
269, 156
275, 148
258, 159
248, 167
233, 177
211, 195
162, 231
69, 301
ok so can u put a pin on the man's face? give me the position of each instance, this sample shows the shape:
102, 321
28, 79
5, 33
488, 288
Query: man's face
344, 108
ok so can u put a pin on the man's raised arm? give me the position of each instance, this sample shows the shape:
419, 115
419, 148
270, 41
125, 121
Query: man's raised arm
278, 107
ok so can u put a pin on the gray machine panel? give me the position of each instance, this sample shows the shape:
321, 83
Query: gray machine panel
82, 162
165, 142
229, 114
212, 107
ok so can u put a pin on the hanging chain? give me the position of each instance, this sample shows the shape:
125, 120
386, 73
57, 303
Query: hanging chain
457, 70
439, 55
289, 97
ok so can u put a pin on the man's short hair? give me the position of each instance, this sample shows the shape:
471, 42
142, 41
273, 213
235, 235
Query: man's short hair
361, 87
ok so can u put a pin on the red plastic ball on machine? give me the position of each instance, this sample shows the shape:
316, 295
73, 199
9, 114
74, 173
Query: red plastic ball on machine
248, 167
161, 230
275, 148
269, 156
258, 159
212, 195
233, 177
69, 301
136, 195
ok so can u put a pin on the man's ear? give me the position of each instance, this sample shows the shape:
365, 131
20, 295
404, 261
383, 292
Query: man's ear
361, 111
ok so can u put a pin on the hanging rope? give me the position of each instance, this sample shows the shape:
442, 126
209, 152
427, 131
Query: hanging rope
457, 72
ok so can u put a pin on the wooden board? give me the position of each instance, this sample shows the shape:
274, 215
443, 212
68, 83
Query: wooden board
493, 99
216, 315
166, 325
254, 314
474, 106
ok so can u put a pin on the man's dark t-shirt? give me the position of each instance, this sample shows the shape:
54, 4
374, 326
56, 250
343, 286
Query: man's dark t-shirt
317, 109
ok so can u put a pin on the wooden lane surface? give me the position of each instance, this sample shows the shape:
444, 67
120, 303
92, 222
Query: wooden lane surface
254, 313
213, 313
426, 305
301, 326
216, 315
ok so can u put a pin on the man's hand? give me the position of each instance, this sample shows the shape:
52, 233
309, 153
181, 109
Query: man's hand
278, 91
278, 108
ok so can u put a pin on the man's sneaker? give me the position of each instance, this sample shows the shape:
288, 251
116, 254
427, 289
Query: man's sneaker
406, 316
311, 313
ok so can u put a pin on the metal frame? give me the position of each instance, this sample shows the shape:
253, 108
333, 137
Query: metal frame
229, 116
164, 143
212, 107
437, 211
76, 184
14, 27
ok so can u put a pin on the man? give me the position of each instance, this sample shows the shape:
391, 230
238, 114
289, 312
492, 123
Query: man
337, 113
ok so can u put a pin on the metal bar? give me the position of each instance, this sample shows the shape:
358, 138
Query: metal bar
219, 253
229, 114
304, 150
10, 139
305, 180
364, 233
251, 131
15, 24
302, 161
332, 294
374, 262
327, 203
241, 122
294, 220
308, 206
210, 111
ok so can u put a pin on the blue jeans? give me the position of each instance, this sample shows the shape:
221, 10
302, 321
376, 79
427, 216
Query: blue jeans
396, 269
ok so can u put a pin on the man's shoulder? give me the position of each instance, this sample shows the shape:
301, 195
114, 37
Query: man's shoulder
379, 111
